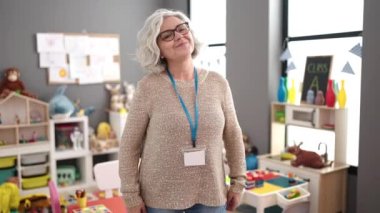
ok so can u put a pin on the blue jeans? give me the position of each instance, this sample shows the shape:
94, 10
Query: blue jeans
197, 208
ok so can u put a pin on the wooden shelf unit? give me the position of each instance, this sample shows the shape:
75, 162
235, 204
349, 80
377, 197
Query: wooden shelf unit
24, 131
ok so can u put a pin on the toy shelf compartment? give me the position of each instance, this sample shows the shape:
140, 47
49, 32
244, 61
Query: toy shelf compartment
70, 172
62, 134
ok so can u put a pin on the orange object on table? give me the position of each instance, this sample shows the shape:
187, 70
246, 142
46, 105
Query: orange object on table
114, 204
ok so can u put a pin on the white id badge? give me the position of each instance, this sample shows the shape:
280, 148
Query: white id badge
194, 156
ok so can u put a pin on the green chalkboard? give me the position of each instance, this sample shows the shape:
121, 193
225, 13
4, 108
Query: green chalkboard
317, 73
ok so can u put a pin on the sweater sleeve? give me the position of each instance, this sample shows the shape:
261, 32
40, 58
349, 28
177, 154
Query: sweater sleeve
131, 146
233, 142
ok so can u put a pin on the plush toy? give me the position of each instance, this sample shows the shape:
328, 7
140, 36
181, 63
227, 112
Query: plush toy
103, 131
12, 83
60, 106
116, 97
305, 158
9, 197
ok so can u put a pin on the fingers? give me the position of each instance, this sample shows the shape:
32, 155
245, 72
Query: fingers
143, 209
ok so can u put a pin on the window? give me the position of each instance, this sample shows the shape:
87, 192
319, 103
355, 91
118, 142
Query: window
324, 27
208, 19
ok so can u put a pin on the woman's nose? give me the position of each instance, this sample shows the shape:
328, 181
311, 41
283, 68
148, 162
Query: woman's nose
177, 35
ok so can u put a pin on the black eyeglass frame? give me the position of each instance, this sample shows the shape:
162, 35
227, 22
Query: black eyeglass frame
172, 31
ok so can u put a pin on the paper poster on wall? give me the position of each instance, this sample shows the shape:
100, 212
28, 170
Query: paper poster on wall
91, 75
103, 45
60, 75
50, 42
111, 72
52, 59
76, 44
87, 58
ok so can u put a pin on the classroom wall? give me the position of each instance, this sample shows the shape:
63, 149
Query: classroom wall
21, 20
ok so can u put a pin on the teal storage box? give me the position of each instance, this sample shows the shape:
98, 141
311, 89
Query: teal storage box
5, 174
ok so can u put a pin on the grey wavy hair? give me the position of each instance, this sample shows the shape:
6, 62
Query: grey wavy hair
148, 53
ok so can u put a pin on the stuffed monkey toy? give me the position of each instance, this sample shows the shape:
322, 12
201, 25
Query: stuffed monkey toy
12, 83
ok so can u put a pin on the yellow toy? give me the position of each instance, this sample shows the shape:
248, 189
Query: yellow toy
9, 197
103, 131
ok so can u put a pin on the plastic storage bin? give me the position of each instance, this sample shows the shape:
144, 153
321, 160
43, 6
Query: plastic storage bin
5, 174
33, 159
283, 201
6, 162
37, 170
35, 182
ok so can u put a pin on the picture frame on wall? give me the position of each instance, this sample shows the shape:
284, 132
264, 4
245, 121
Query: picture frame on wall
317, 74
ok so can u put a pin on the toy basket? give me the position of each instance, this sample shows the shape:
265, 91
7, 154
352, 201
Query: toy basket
5, 174
37, 170
34, 159
6, 162
283, 201
35, 182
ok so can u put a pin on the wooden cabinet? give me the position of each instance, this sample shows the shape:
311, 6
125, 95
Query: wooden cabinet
25, 137
327, 186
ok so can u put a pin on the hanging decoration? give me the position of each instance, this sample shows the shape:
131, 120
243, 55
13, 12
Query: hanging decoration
357, 50
285, 55
290, 67
348, 69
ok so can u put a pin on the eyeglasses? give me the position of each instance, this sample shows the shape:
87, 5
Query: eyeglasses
168, 35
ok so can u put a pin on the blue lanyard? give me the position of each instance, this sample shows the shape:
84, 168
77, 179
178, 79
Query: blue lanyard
193, 125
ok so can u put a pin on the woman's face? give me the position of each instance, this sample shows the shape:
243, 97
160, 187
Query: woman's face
175, 39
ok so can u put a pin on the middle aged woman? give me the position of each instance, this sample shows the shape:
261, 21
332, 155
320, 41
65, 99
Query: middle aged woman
180, 120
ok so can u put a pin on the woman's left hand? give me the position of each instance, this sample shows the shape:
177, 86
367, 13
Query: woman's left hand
233, 200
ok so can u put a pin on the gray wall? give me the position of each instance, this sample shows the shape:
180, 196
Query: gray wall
21, 20
369, 172
253, 68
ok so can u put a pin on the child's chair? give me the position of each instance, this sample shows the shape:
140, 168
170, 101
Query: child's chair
107, 176
54, 198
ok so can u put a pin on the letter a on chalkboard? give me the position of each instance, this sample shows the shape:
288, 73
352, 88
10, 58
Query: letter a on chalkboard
317, 73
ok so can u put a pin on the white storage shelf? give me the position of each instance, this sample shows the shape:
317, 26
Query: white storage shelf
82, 159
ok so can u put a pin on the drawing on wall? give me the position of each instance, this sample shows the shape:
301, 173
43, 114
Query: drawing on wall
79, 58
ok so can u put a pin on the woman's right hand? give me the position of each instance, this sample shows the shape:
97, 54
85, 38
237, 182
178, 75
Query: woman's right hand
138, 209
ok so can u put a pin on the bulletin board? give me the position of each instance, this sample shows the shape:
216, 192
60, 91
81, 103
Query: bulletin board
79, 58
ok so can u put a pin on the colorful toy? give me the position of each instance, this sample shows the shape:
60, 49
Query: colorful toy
9, 197
66, 175
77, 138
116, 100
60, 106
305, 158
79, 111
103, 131
12, 83
34, 203
294, 193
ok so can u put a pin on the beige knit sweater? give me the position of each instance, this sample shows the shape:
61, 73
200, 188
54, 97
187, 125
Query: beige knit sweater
157, 130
